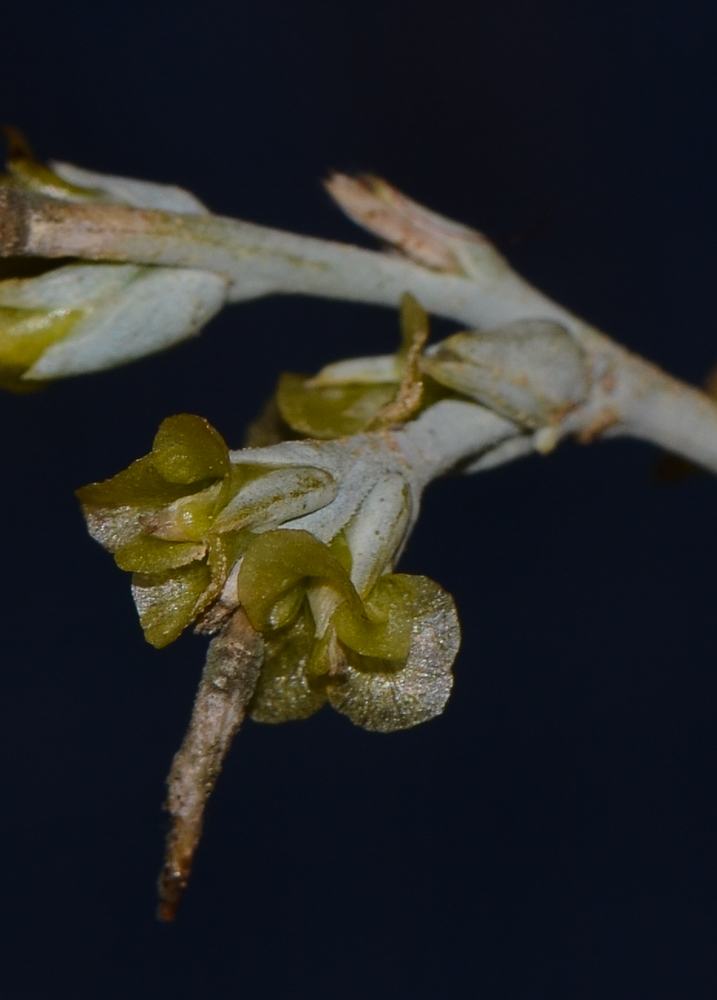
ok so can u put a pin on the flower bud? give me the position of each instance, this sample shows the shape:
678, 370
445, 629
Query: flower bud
531, 371
364, 393
85, 317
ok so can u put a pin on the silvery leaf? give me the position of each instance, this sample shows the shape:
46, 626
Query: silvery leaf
74, 286
127, 191
159, 308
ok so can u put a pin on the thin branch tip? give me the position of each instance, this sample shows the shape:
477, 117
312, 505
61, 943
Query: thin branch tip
230, 675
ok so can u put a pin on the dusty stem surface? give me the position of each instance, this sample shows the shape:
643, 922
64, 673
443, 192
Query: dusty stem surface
230, 674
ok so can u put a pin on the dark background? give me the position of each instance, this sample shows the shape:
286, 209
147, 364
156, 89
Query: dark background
553, 834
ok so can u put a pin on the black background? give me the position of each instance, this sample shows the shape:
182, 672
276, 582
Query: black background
553, 834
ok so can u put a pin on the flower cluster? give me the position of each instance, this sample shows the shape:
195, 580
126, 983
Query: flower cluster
303, 536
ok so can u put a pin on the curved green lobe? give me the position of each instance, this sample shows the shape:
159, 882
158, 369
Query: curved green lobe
187, 449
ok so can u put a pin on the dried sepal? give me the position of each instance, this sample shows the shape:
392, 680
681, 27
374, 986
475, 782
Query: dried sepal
428, 238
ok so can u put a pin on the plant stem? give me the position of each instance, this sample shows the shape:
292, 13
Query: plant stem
230, 674
629, 395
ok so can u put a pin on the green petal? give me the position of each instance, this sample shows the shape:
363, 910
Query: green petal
285, 689
140, 485
383, 694
147, 554
276, 562
168, 602
384, 631
187, 449
112, 508
330, 411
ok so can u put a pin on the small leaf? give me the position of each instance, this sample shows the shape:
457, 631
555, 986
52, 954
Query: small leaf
72, 286
161, 307
128, 191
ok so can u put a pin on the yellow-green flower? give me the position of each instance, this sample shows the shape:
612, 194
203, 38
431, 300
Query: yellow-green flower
304, 537
384, 661
178, 519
